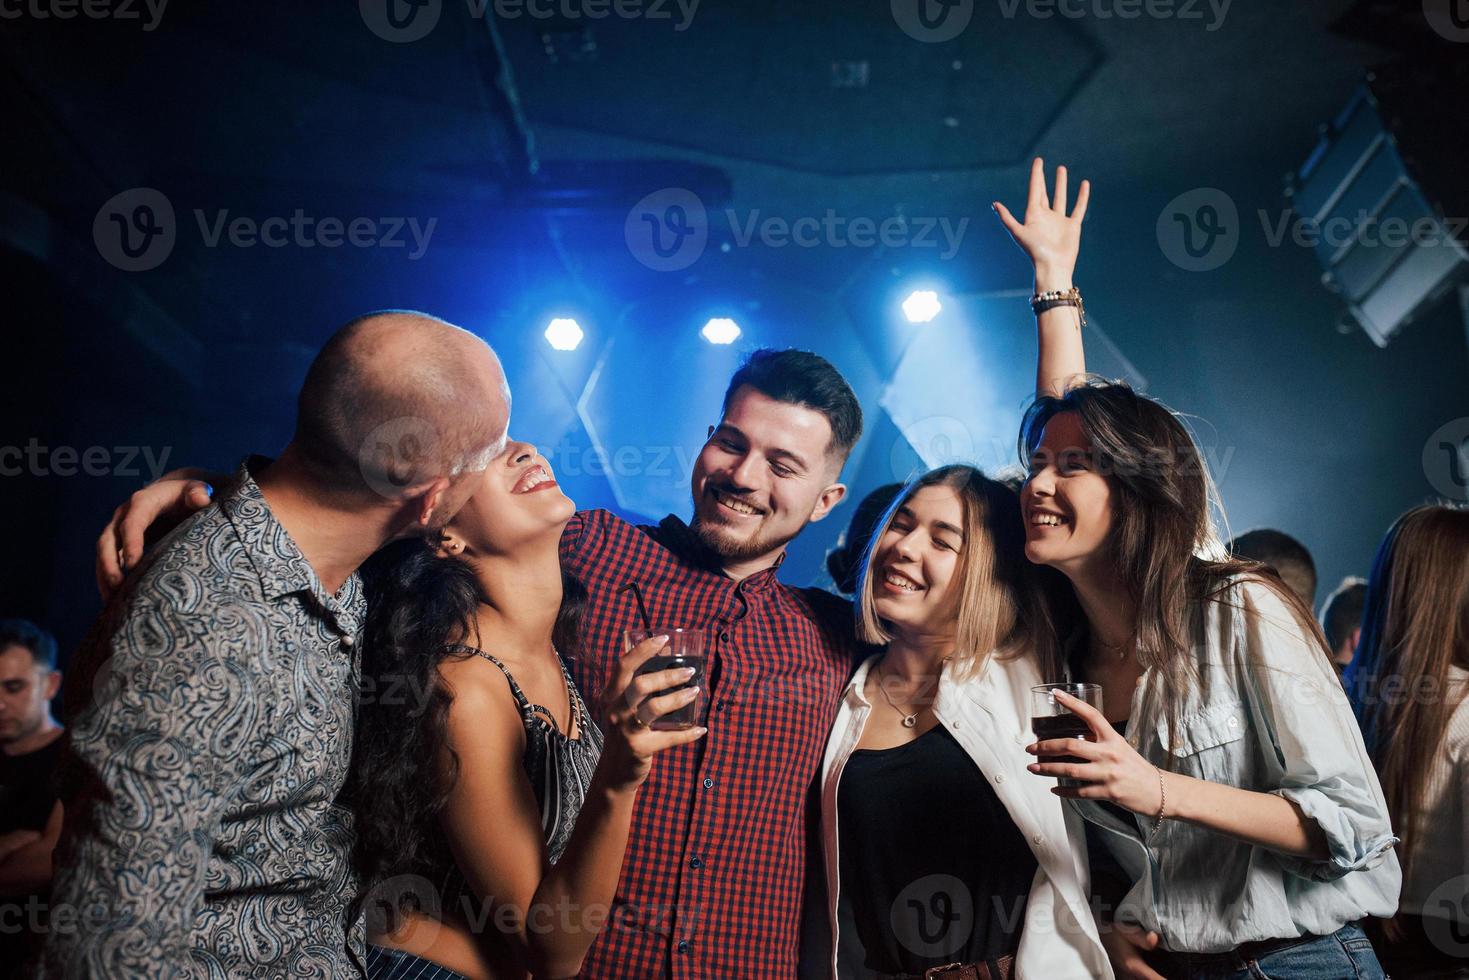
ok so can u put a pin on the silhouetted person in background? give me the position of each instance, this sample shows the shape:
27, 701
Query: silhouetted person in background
1410, 688
30, 816
1284, 554
845, 560
1341, 619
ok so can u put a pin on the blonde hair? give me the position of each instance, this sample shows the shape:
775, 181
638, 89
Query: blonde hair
994, 595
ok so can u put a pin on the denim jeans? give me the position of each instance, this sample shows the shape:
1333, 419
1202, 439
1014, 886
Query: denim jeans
1346, 954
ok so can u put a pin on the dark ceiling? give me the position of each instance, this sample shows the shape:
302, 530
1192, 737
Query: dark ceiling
523, 133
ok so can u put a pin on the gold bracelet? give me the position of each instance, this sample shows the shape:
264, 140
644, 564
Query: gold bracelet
1162, 805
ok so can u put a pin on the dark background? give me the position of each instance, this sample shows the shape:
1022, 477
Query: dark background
529, 142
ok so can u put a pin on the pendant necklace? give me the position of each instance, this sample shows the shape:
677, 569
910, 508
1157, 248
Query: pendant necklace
909, 720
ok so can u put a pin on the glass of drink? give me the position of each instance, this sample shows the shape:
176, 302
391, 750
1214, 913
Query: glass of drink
685, 649
1049, 719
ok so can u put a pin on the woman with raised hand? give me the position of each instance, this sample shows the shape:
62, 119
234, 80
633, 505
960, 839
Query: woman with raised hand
943, 857
1409, 682
492, 818
1225, 777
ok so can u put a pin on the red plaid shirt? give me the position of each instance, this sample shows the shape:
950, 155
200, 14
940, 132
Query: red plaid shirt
711, 884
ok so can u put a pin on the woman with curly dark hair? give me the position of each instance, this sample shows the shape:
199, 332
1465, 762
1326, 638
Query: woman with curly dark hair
492, 818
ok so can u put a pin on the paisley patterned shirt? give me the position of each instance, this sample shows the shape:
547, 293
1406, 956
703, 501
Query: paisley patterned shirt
213, 709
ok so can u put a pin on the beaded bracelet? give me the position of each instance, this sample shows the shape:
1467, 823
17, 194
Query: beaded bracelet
1051, 299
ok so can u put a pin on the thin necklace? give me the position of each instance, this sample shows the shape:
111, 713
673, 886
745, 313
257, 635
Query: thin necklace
909, 720
1120, 649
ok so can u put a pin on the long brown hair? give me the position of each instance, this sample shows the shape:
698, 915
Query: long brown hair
1164, 544
998, 597
1415, 627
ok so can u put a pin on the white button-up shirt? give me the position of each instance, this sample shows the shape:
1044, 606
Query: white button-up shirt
989, 714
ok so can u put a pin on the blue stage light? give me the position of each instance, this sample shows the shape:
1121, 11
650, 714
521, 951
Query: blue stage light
564, 333
721, 330
922, 305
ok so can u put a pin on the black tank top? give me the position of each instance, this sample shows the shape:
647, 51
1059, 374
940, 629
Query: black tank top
933, 867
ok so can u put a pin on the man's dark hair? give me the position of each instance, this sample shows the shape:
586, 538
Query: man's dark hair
1343, 611
1284, 554
799, 377
24, 633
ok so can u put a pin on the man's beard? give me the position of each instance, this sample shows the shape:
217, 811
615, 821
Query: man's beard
732, 549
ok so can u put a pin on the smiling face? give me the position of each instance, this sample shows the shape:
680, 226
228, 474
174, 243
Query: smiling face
765, 473
1066, 503
516, 502
915, 565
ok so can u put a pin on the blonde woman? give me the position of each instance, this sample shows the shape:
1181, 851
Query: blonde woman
944, 857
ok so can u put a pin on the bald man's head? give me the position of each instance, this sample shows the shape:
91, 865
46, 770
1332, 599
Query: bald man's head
397, 400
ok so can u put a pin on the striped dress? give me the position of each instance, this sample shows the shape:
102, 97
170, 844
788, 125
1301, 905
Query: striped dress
559, 769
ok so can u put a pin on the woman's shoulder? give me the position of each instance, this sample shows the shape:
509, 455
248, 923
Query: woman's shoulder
478, 688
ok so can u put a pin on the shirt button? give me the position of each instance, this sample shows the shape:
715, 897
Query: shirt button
1233, 723
683, 946
956, 723
348, 640
1039, 838
721, 704
696, 863
999, 777
723, 637
708, 782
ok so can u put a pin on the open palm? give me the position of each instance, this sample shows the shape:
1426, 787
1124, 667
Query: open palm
1050, 236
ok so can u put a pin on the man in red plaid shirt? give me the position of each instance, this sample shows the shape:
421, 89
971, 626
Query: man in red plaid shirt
712, 878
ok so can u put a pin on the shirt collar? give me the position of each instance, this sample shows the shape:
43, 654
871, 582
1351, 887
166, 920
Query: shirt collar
690, 549
277, 560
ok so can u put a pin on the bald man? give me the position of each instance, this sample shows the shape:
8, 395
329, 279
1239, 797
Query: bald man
213, 702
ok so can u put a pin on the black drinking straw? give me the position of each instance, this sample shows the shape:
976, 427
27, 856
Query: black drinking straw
637, 594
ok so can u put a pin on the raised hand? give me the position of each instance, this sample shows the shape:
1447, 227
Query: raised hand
630, 703
1050, 236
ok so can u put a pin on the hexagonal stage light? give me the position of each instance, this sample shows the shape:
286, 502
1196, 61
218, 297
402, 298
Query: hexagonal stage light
922, 305
721, 330
564, 333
